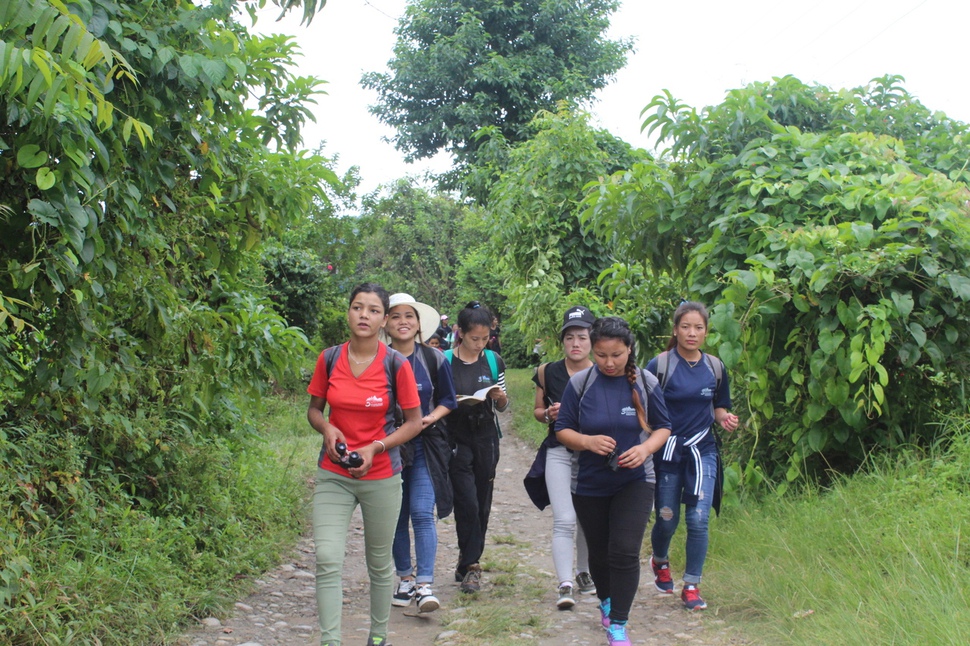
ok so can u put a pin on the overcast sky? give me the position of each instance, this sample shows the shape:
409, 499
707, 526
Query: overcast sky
698, 50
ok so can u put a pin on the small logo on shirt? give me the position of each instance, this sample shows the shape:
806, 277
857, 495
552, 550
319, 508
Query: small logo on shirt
484, 379
373, 400
628, 411
419, 386
707, 392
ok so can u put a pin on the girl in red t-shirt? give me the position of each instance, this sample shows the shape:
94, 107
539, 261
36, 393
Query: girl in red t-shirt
363, 381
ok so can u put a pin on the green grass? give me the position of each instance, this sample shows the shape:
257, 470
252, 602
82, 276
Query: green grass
114, 569
879, 558
522, 392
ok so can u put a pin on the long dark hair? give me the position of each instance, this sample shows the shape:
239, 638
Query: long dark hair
474, 314
613, 327
684, 308
372, 288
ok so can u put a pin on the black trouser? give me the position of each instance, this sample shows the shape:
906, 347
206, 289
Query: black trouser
472, 473
614, 527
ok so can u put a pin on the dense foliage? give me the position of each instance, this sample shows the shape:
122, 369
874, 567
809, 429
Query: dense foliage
460, 66
828, 231
546, 261
413, 241
145, 151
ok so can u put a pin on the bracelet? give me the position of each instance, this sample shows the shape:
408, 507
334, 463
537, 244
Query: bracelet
545, 414
383, 448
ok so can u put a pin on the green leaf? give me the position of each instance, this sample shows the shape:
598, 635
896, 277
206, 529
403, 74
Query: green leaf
904, 303
960, 286
863, 233
918, 332
45, 178
829, 341
31, 156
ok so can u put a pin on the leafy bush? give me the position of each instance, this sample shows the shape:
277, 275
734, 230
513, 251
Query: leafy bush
834, 259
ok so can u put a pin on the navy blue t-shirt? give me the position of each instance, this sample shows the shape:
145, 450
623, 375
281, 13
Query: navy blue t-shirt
692, 394
443, 392
606, 408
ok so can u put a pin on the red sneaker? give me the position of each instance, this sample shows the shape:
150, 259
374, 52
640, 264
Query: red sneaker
661, 577
691, 597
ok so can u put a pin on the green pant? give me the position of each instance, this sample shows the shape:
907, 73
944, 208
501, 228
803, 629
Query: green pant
334, 501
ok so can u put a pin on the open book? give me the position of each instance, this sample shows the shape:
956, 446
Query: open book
479, 396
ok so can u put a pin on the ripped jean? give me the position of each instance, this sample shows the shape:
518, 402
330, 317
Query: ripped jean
669, 490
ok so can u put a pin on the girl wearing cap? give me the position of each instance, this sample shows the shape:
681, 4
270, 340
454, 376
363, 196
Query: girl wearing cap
426, 457
474, 428
689, 466
550, 380
363, 381
614, 415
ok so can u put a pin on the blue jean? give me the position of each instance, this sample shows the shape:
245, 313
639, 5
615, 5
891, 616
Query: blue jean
417, 506
669, 491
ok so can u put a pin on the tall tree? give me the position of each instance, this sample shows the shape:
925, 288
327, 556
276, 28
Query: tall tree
413, 241
146, 148
547, 261
460, 66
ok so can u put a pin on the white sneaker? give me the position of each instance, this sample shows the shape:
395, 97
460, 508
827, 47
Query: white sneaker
427, 602
566, 600
405, 592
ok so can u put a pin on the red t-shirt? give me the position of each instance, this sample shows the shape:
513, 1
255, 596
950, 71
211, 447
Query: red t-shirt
359, 406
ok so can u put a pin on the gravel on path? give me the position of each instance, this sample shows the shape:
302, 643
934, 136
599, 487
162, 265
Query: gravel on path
282, 610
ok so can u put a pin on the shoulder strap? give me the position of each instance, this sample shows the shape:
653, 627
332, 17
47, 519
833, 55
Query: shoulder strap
582, 393
665, 367
330, 356
718, 367
541, 375
431, 359
492, 364
449, 355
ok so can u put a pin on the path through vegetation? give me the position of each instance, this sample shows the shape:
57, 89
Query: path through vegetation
516, 605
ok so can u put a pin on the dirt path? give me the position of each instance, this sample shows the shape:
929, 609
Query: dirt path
518, 594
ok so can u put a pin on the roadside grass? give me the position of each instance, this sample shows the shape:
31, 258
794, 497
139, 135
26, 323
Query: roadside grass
116, 568
522, 393
878, 558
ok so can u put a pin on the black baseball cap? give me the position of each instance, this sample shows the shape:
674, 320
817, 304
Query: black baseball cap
577, 316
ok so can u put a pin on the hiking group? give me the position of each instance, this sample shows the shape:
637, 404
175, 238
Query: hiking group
621, 441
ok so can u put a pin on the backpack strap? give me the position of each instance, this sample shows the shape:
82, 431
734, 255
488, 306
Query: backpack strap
431, 360
541, 376
492, 364
665, 366
582, 393
717, 366
330, 357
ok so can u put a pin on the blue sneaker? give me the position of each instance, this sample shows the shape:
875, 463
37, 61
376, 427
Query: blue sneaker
616, 635
605, 613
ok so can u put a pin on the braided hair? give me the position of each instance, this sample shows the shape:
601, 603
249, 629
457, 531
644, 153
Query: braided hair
613, 327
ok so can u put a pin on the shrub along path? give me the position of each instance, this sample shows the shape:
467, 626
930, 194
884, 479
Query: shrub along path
516, 604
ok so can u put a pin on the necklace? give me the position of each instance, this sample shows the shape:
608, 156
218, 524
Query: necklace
350, 355
691, 364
